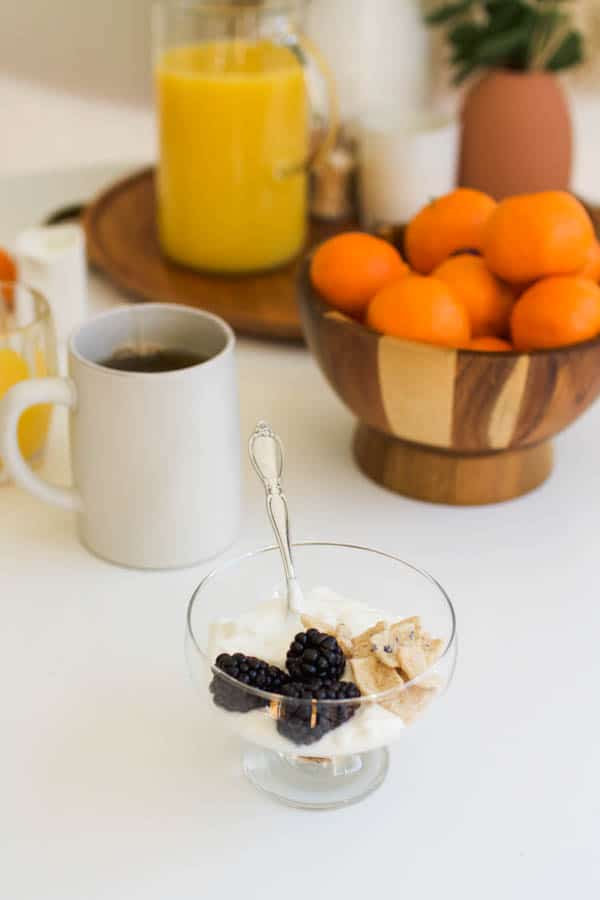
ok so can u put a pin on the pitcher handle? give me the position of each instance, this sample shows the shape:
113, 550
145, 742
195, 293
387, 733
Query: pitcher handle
309, 50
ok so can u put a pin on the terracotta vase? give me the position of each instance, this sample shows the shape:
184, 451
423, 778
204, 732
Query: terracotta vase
517, 135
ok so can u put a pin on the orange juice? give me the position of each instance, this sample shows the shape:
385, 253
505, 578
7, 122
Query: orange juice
35, 421
233, 122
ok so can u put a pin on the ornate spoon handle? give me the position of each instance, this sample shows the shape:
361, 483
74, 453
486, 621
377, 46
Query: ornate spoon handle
266, 455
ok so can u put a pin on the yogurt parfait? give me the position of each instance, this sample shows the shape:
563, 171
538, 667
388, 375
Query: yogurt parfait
318, 696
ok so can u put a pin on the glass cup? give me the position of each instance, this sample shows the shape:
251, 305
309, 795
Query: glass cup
27, 350
234, 131
317, 754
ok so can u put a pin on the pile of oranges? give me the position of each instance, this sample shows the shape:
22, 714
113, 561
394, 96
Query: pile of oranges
521, 274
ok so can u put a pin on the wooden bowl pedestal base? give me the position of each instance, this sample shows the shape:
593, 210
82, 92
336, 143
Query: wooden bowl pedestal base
440, 476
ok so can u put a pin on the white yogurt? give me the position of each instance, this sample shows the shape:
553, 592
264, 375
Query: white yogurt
264, 632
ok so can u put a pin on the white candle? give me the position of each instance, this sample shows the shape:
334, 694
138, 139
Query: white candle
403, 165
378, 51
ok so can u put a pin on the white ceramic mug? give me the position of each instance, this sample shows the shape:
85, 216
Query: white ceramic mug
155, 455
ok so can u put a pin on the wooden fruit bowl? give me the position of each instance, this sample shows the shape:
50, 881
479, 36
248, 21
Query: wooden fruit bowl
449, 426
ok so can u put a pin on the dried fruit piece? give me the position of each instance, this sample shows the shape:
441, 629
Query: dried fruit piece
384, 649
410, 702
374, 678
411, 660
406, 631
362, 645
344, 638
432, 646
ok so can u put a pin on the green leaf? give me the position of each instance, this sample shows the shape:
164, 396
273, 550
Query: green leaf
459, 58
516, 34
503, 15
568, 54
447, 12
465, 35
497, 49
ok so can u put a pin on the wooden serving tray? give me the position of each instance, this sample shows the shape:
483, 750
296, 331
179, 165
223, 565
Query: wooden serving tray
122, 242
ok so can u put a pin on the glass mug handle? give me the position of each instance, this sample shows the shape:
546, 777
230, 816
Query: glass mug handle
309, 51
16, 400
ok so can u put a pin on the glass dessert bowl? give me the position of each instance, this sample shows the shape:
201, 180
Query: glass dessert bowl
317, 699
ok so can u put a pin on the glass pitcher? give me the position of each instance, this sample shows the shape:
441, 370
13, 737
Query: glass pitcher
234, 131
27, 350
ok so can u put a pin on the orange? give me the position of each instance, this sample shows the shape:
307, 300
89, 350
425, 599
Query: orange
8, 269
492, 344
536, 235
591, 267
453, 222
8, 272
555, 312
487, 299
420, 308
349, 269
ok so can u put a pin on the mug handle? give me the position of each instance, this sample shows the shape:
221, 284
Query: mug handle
16, 400
309, 50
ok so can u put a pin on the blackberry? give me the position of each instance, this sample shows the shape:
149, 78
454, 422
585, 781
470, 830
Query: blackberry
303, 720
313, 654
248, 671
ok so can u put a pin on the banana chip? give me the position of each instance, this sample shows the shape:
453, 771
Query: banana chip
362, 645
372, 677
411, 660
384, 649
385, 657
343, 635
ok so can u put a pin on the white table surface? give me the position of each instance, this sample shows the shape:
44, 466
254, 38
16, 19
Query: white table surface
111, 785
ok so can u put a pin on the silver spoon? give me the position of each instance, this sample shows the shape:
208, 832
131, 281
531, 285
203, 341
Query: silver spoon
266, 455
